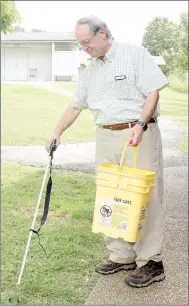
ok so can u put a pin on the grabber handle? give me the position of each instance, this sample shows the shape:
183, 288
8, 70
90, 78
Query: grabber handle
53, 147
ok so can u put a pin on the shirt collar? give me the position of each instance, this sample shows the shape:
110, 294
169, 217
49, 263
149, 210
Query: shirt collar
111, 53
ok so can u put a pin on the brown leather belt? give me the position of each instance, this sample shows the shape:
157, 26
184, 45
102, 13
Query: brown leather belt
122, 126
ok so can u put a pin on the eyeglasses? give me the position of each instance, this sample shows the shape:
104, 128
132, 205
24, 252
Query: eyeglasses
87, 42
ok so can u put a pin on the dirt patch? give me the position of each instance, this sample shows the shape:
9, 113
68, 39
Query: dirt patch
28, 211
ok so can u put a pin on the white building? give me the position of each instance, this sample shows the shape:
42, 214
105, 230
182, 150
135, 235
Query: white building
39, 56
43, 56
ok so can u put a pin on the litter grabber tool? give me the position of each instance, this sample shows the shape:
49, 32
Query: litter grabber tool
46, 207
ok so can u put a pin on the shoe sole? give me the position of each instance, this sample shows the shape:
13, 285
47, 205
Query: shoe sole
158, 278
127, 267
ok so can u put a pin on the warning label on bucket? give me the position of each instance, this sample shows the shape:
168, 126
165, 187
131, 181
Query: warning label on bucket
105, 212
114, 212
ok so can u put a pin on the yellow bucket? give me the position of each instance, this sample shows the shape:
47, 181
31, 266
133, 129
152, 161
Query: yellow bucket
122, 198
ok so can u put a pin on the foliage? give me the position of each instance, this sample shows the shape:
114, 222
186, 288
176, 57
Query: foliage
181, 58
9, 16
160, 35
170, 40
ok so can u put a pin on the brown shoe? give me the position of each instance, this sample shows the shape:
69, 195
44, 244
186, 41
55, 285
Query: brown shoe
146, 275
110, 267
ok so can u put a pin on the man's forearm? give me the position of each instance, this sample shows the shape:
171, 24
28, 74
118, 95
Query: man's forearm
150, 106
70, 115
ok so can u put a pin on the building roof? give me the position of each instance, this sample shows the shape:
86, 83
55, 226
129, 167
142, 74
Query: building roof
159, 60
38, 36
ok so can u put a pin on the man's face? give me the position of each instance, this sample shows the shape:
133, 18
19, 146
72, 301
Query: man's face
93, 44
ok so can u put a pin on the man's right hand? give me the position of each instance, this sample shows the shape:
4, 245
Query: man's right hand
50, 140
70, 115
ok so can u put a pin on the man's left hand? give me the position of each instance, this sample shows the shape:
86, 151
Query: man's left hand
137, 131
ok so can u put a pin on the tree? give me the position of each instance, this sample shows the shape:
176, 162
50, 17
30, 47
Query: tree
9, 16
181, 58
166, 38
160, 38
160, 35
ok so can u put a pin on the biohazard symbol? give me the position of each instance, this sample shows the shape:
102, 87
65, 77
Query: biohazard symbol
106, 211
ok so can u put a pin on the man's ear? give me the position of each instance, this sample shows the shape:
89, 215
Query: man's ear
102, 33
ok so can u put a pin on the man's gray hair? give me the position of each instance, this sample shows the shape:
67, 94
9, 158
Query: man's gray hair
95, 24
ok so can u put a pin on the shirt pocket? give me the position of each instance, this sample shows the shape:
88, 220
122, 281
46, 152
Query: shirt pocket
123, 87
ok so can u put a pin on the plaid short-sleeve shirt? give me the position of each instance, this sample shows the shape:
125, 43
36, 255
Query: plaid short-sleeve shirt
115, 89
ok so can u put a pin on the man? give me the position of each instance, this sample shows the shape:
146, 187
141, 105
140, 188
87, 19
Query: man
121, 88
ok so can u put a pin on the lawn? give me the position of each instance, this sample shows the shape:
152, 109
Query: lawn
174, 104
29, 115
67, 275
67, 85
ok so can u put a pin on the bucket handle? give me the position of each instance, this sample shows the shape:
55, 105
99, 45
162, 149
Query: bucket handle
123, 155
122, 160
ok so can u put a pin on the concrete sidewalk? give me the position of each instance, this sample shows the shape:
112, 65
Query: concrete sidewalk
81, 156
47, 85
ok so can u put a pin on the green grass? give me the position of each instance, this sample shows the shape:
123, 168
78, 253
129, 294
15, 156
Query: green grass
67, 85
29, 115
178, 85
174, 104
67, 276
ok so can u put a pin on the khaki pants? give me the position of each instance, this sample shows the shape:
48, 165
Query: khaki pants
109, 145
